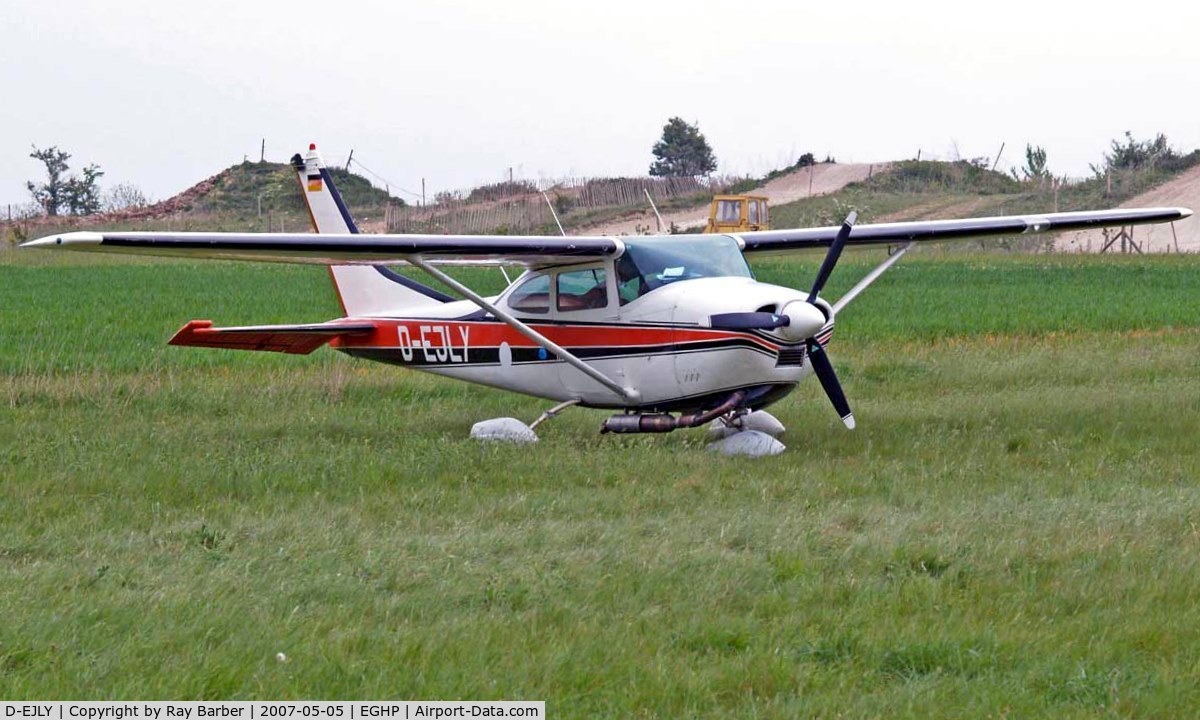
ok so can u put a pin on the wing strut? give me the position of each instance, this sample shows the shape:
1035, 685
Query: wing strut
534, 335
871, 277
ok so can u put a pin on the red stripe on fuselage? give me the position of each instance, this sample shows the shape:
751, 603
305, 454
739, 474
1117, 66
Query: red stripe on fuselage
493, 334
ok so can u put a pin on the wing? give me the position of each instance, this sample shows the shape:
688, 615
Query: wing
294, 339
902, 232
343, 249
537, 251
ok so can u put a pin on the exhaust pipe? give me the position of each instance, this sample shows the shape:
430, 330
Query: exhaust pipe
663, 422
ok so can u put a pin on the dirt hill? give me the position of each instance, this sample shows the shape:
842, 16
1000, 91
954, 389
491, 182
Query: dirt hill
1182, 236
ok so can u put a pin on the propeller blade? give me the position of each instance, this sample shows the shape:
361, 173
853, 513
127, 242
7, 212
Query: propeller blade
831, 257
824, 370
748, 321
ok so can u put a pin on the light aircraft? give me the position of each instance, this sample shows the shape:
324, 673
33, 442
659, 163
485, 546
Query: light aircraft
670, 331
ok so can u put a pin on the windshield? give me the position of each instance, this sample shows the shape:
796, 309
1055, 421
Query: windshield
649, 264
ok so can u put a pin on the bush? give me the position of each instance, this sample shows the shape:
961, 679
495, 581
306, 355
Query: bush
500, 190
915, 176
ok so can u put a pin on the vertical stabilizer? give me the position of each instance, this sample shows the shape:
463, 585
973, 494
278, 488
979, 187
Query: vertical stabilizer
363, 290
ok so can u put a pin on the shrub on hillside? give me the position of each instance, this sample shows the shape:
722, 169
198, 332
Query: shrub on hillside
917, 176
497, 191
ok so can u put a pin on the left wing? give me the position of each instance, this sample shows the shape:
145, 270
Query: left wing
294, 339
769, 241
344, 249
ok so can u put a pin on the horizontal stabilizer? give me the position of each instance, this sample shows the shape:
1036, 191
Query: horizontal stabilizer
294, 339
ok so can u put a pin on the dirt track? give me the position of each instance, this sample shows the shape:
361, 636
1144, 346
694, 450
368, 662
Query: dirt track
825, 179
1184, 236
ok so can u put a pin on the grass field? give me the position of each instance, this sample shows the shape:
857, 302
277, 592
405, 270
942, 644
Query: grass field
1013, 529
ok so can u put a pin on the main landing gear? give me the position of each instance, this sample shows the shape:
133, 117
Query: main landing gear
508, 429
735, 430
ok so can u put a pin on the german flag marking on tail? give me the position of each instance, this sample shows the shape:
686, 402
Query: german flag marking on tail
314, 183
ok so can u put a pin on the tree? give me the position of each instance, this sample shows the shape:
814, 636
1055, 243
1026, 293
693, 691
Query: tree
83, 194
124, 196
1035, 164
50, 195
682, 151
1136, 153
76, 195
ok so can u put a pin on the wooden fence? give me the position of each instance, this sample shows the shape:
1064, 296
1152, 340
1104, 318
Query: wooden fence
519, 208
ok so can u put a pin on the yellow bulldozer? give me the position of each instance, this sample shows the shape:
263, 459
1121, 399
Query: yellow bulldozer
738, 213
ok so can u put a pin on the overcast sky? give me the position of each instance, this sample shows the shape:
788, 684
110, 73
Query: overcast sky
163, 94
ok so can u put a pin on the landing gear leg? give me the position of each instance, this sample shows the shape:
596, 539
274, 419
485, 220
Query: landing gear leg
744, 420
728, 424
513, 430
553, 412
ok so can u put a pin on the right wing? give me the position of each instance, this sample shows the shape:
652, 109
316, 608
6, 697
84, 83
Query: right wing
775, 241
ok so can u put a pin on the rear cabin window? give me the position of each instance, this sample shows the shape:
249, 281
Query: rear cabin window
582, 290
533, 296
753, 212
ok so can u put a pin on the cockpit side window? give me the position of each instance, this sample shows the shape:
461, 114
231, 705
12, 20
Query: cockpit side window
533, 296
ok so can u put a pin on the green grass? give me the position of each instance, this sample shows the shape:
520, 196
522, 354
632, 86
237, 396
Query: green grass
1011, 530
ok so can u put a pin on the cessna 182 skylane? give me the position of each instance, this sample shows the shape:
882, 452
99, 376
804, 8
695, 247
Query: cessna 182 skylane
671, 331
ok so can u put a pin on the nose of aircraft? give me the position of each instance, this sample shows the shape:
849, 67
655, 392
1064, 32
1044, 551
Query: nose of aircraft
804, 320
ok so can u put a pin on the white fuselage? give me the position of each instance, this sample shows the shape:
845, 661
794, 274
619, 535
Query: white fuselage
657, 342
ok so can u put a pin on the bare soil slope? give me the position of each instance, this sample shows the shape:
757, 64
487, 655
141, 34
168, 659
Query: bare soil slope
1184, 236
823, 179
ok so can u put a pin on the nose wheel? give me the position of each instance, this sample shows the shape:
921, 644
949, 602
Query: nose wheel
746, 432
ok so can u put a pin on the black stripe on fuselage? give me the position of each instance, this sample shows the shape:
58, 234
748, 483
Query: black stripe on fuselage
337, 200
485, 356
413, 284
482, 317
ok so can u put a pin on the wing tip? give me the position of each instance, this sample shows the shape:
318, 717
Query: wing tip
65, 240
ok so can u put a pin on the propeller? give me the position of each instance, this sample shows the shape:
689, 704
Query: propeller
829, 382
831, 257
816, 351
802, 320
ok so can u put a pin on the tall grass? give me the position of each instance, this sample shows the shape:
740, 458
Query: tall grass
1011, 530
